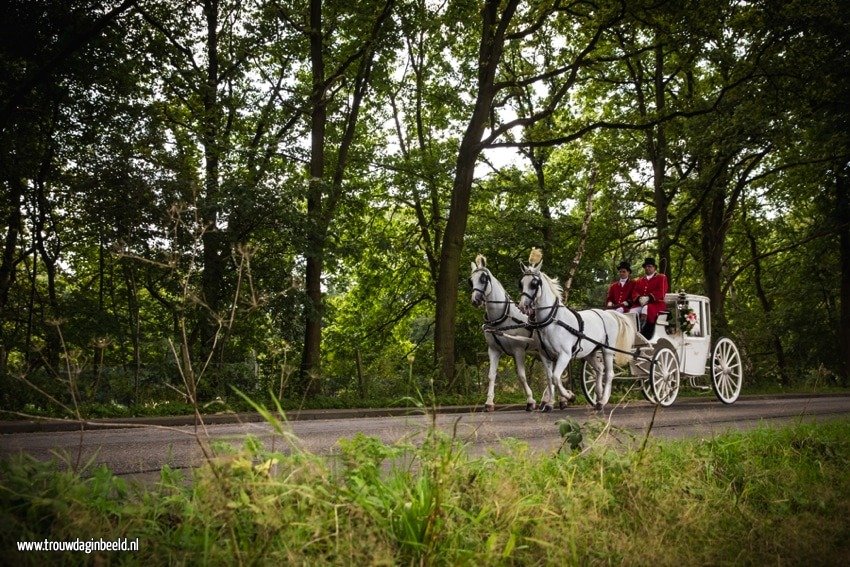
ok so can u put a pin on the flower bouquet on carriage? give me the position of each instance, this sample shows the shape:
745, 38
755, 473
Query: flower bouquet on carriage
688, 320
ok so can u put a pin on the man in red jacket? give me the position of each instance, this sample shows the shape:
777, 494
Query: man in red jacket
648, 296
620, 292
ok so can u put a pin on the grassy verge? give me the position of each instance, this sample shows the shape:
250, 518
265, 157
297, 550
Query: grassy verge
762, 497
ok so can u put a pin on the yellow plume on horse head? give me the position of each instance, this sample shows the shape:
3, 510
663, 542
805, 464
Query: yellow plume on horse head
535, 257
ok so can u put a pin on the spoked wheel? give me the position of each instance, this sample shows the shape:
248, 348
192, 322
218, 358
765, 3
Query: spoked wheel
640, 367
588, 380
664, 376
646, 390
726, 371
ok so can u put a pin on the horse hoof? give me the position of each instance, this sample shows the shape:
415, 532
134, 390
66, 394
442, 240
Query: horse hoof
546, 408
531, 406
489, 407
571, 397
597, 406
562, 404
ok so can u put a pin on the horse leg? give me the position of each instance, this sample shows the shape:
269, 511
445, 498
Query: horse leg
519, 357
559, 367
548, 396
599, 387
563, 401
609, 376
494, 355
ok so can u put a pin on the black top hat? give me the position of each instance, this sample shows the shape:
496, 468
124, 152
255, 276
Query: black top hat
649, 262
624, 266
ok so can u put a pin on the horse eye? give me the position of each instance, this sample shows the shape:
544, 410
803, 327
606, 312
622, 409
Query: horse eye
483, 279
534, 283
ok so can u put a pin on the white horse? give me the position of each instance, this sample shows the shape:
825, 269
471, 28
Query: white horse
564, 334
504, 328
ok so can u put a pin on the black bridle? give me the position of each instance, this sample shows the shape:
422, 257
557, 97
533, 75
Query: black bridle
486, 280
535, 283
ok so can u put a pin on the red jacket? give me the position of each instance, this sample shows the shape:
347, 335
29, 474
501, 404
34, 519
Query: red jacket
620, 295
656, 288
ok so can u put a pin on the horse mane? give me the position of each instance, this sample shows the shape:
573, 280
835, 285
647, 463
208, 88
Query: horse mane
553, 283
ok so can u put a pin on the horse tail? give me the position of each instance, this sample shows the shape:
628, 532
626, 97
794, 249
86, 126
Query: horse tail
626, 332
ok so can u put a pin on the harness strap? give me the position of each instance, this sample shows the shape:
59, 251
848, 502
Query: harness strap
504, 315
607, 340
581, 335
577, 344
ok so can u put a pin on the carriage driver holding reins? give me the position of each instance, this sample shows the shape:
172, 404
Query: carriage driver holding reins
648, 296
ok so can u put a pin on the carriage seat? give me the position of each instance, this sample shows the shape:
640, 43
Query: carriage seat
662, 325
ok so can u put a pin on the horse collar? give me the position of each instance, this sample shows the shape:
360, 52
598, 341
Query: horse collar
504, 315
553, 311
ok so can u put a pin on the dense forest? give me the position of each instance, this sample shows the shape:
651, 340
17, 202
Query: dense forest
286, 195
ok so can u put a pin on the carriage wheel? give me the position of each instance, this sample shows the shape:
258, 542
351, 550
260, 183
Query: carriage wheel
641, 371
664, 376
588, 379
646, 390
588, 382
726, 371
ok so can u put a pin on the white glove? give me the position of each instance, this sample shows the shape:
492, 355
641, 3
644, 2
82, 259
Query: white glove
610, 304
643, 299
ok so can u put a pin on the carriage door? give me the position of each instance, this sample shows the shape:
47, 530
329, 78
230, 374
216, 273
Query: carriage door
696, 345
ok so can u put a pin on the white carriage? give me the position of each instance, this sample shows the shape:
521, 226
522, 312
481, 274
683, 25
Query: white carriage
680, 346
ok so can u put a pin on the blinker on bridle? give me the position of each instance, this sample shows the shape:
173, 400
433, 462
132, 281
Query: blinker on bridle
483, 279
534, 284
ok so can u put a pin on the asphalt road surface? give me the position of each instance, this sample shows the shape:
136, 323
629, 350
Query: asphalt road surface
140, 452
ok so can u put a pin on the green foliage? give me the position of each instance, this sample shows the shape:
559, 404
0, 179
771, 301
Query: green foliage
743, 497
570, 430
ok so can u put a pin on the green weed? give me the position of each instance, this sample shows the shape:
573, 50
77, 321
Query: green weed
766, 496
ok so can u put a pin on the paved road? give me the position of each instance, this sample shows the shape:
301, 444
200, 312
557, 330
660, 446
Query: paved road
142, 451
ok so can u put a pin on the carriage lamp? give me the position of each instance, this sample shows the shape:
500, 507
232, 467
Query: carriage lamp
682, 301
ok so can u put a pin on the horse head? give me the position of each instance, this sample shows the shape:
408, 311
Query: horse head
531, 282
480, 281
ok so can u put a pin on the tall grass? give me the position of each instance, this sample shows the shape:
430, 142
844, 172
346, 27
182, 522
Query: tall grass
778, 497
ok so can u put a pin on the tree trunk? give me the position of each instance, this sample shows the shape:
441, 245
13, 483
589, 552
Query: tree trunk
712, 244
582, 241
323, 198
310, 357
658, 152
490, 53
214, 254
537, 163
48, 247
10, 243
767, 307
134, 320
842, 187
